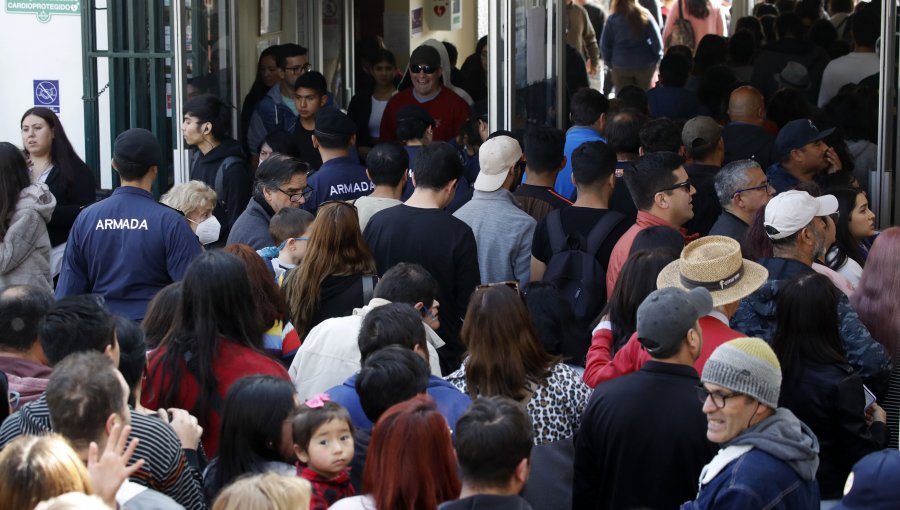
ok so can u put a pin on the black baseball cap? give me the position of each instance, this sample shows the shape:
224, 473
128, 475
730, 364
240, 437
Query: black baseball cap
137, 145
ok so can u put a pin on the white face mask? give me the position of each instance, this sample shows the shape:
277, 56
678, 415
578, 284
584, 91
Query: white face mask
208, 230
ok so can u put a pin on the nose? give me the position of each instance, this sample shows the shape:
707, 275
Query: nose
708, 406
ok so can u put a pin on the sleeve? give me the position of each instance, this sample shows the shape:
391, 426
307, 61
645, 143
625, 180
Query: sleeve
182, 481
80, 192
20, 239
237, 190
656, 40
630, 358
388, 129
73, 279
540, 242
606, 41
590, 41
468, 275
826, 91
867, 357
181, 248
856, 438
588, 473
523, 255
598, 355
257, 131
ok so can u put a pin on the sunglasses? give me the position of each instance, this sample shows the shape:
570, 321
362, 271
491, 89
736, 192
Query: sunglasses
685, 184
422, 68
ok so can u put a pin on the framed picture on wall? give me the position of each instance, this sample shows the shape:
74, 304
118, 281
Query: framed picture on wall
269, 16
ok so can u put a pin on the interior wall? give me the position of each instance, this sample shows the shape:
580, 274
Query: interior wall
464, 38
250, 44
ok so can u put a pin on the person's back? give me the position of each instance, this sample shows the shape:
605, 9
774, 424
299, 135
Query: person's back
669, 98
340, 177
419, 231
789, 47
387, 166
128, 247
544, 158
588, 111
502, 230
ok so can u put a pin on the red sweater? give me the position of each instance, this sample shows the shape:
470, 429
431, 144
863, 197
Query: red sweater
233, 362
632, 356
449, 111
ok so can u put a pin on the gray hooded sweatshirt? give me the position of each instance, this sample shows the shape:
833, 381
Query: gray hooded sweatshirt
786, 438
25, 248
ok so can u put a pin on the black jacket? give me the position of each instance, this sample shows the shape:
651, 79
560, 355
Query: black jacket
775, 55
706, 203
746, 141
236, 183
71, 198
829, 399
487, 502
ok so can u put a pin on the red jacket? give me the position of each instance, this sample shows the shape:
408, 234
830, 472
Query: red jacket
632, 356
233, 362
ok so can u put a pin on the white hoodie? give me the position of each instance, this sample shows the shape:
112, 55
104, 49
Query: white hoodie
25, 248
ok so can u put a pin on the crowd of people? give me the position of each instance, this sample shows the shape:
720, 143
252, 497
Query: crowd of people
682, 301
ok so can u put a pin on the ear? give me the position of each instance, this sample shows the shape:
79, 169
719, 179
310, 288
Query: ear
108, 425
521, 472
661, 201
413, 177
353, 141
603, 122
368, 175
612, 181
402, 179
315, 142
323, 100
419, 306
641, 151
302, 456
451, 186
562, 164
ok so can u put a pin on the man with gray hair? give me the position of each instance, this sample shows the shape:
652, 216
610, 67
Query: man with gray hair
768, 457
742, 188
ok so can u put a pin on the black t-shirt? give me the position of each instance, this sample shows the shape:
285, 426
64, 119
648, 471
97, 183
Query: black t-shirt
621, 198
580, 221
445, 247
538, 201
308, 153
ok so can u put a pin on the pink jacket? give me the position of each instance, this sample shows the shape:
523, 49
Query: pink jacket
714, 23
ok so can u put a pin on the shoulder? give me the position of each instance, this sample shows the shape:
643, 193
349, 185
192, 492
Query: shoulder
364, 502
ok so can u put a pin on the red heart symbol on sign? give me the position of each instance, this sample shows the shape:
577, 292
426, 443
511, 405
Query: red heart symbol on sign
440, 10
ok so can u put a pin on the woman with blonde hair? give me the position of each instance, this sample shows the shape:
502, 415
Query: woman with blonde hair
631, 45
337, 274
34, 469
269, 491
196, 200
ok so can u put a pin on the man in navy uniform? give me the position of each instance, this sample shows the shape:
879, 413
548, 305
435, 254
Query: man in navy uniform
128, 247
340, 177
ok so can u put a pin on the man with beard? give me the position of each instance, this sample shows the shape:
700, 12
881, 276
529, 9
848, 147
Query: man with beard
795, 222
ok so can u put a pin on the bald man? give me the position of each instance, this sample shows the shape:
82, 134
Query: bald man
745, 137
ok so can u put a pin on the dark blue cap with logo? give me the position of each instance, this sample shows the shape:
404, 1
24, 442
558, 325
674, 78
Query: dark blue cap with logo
796, 134
874, 483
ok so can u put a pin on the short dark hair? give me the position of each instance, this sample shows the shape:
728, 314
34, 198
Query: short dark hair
129, 170
285, 51
492, 438
586, 106
209, 108
865, 26
132, 351
411, 128
391, 324
742, 47
593, 162
278, 169
289, 222
389, 376
674, 70
544, 148
452, 52
789, 24
661, 134
649, 174
76, 324
841, 5
313, 80
387, 162
623, 130
436, 165
82, 392
407, 283
333, 140
635, 97
22, 308
282, 142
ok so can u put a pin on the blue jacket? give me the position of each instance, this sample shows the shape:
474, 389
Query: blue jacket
780, 179
575, 136
451, 402
756, 318
337, 179
126, 248
621, 48
271, 113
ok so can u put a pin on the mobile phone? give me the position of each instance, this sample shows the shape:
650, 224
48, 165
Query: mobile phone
870, 397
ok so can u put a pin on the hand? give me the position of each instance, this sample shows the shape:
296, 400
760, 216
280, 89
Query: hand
109, 471
185, 426
834, 162
875, 413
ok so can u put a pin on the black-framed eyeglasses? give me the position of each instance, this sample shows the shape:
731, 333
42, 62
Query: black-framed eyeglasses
764, 186
296, 69
685, 184
296, 195
422, 68
718, 399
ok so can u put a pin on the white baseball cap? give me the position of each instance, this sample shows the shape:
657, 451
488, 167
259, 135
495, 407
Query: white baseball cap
496, 156
790, 211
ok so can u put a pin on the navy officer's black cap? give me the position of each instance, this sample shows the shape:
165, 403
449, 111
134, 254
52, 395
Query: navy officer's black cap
139, 146
331, 121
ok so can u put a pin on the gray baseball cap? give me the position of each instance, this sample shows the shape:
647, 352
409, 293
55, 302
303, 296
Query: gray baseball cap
665, 317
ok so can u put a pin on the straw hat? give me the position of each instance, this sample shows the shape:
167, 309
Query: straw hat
714, 263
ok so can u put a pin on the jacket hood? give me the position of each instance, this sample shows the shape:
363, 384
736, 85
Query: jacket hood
786, 438
228, 147
38, 198
445, 71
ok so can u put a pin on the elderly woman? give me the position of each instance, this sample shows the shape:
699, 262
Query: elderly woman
196, 200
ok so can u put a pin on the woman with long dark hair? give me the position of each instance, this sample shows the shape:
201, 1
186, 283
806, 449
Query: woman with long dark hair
25, 209
855, 225
631, 45
268, 74
506, 358
367, 107
818, 385
255, 433
414, 435
337, 274
216, 342
52, 160
705, 17
474, 71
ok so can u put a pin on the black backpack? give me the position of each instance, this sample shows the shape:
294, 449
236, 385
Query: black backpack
219, 183
573, 269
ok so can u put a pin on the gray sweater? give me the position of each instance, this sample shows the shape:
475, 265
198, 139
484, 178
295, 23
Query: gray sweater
25, 248
503, 234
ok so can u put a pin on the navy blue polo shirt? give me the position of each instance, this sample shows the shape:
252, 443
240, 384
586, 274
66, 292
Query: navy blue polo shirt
126, 248
337, 179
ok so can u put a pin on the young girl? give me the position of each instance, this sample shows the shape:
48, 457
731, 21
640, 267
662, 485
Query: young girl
323, 442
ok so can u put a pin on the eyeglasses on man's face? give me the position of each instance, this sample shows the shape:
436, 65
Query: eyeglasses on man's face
764, 186
296, 196
298, 69
718, 398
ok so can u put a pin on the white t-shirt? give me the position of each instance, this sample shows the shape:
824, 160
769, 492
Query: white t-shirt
375, 117
851, 68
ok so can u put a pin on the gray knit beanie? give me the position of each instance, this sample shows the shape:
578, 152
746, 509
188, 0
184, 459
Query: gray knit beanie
748, 366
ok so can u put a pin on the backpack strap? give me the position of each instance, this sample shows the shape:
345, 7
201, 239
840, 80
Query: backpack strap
555, 232
219, 185
368, 283
601, 230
